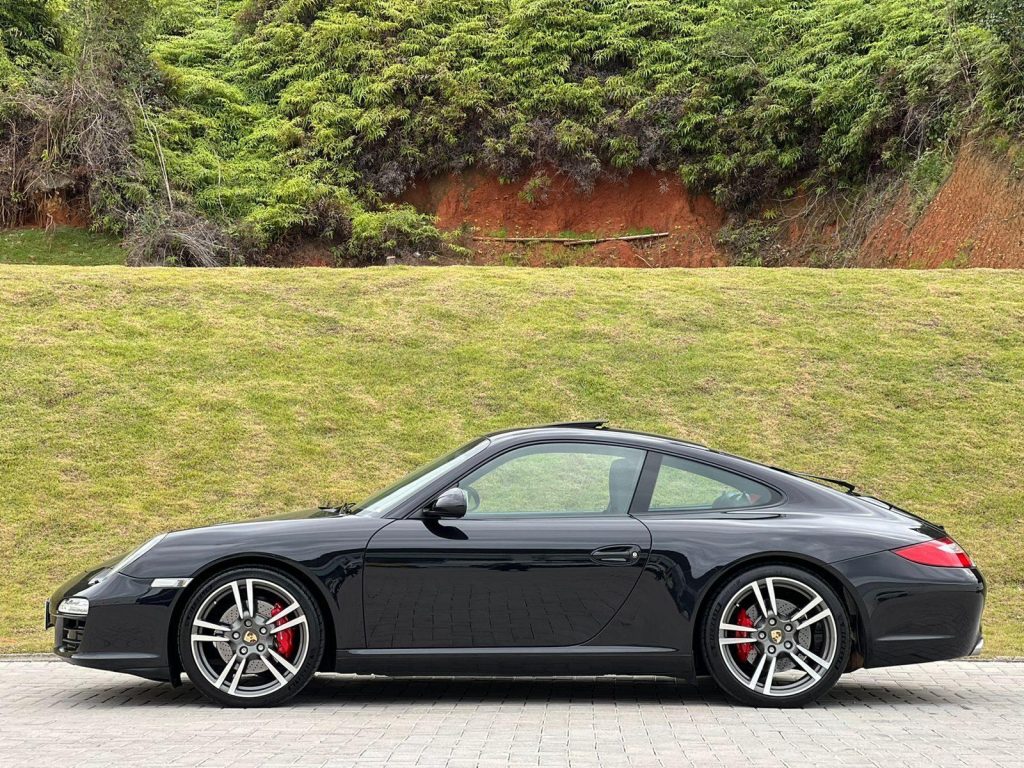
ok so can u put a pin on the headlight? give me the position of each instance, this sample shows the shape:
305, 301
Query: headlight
132, 557
74, 606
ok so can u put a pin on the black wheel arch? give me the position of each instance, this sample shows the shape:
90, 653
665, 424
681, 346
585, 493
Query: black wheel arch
829, 575
258, 560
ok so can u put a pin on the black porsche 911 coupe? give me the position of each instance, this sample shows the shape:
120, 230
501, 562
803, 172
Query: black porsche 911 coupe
569, 549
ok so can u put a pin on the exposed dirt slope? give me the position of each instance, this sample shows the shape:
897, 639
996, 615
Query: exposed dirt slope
548, 204
976, 220
54, 210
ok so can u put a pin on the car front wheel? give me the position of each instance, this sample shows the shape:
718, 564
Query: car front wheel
776, 636
250, 637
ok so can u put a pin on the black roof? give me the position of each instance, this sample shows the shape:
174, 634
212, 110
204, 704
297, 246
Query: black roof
572, 428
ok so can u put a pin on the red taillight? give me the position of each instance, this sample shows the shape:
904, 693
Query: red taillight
945, 553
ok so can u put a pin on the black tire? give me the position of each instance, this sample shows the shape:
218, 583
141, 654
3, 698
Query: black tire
273, 682
729, 663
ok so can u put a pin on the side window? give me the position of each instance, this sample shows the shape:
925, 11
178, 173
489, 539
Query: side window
555, 479
686, 485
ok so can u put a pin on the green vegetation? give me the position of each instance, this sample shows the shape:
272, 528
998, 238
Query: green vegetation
65, 245
275, 120
136, 401
29, 40
351, 99
927, 177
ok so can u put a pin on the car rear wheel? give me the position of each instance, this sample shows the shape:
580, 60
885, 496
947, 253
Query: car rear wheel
776, 636
250, 637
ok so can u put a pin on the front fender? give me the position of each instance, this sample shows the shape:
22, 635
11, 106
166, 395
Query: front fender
319, 544
326, 552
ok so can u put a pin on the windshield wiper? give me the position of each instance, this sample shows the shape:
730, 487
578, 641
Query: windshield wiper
344, 508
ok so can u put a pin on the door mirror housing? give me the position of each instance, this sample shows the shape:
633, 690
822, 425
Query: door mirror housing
450, 504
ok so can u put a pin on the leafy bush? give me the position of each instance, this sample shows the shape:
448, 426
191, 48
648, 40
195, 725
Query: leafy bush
751, 243
393, 231
926, 178
268, 114
30, 38
1001, 73
69, 119
741, 96
30, 46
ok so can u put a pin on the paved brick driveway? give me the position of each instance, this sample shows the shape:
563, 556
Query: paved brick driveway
949, 714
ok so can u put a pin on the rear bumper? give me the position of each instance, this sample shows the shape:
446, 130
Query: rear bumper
912, 613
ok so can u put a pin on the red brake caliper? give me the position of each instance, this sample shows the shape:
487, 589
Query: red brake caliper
286, 637
743, 650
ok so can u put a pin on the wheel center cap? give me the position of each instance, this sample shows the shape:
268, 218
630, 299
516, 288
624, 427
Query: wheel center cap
250, 637
775, 634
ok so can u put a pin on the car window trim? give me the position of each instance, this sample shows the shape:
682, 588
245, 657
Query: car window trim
645, 484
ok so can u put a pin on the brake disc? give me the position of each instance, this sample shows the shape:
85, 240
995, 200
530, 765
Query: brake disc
784, 663
229, 617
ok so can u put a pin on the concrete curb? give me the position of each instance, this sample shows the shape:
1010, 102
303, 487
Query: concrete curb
16, 657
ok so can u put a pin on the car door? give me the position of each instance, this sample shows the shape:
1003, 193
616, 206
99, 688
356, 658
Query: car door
545, 556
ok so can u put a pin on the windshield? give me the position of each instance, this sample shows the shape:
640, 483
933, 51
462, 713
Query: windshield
384, 501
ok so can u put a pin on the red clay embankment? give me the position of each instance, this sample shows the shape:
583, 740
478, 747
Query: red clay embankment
641, 202
975, 220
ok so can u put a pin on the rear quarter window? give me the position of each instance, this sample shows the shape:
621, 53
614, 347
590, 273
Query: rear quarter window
684, 485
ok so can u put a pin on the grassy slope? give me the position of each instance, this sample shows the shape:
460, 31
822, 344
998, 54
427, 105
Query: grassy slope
64, 245
134, 401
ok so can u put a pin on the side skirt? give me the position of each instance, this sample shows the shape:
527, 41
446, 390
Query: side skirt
512, 662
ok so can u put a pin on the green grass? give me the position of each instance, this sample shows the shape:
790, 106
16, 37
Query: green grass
136, 401
64, 245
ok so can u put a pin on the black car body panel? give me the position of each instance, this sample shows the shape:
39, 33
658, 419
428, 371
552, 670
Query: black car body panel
496, 583
126, 629
403, 594
914, 613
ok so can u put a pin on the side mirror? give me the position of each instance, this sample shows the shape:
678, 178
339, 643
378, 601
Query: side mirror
450, 504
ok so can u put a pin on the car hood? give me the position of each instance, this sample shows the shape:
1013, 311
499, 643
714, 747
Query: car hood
298, 514
299, 536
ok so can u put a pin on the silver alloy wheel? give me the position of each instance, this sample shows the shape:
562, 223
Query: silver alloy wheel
235, 640
791, 642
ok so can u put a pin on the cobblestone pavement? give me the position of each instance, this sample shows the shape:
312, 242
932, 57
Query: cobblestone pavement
947, 714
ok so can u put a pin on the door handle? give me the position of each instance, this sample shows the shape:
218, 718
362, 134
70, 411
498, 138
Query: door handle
617, 554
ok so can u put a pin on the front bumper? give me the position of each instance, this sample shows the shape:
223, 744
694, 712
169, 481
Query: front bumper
911, 613
126, 629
